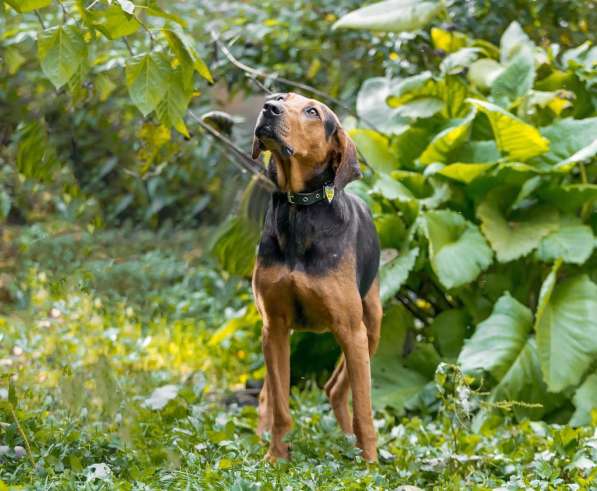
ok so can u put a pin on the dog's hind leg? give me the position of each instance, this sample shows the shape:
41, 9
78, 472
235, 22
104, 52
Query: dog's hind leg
265, 410
338, 390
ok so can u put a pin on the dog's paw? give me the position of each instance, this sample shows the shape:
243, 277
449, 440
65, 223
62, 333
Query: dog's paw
274, 455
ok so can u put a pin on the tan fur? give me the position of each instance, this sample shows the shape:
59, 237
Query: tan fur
329, 303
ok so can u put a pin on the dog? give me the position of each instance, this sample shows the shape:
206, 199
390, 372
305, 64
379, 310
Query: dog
317, 264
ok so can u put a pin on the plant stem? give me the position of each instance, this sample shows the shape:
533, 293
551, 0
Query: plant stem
22, 433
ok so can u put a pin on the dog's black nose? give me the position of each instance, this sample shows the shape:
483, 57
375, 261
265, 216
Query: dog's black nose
273, 108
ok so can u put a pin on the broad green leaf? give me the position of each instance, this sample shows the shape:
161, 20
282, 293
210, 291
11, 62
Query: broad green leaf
112, 22
394, 273
391, 16
23, 6
570, 197
61, 52
483, 72
446, 141
394, 385
459, 60
172, 108
457, 250
391, 231
499, 339
234, 246
184, 48
392, 189
566, 327
523, 383
573, 242
375, 147
147, 80
585, 401
36, 157
448, 41
520, 233
464, 172
518, 139
423, 107
372, 107
513, 40
568, 137
516, 80
583, 154
449, 330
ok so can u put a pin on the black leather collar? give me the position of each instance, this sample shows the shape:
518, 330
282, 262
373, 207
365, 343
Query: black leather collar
305, 199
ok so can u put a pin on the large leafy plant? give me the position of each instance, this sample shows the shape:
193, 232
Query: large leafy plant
482, 187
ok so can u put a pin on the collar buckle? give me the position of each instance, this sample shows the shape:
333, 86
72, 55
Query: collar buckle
291, 198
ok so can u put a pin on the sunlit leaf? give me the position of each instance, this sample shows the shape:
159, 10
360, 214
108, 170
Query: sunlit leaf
513, 40
448, 41
375, 148
464, 172
446, 141
112, 22
483, 72
518, 139
391, 16
184, 48
23, 6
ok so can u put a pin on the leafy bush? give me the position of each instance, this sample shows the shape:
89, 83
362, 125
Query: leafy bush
480, 181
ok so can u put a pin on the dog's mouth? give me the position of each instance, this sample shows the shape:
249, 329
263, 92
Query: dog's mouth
269, 138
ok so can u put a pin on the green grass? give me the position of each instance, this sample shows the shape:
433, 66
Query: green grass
98, 322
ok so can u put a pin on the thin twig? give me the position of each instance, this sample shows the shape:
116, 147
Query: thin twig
241, 159
128, 46
255, 73
39, 18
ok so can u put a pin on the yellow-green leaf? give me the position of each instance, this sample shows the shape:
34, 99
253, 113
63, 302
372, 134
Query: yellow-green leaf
147, 81
464, 172
519, 140
61, 52
446, 141
184, 49
23, 6
112, 22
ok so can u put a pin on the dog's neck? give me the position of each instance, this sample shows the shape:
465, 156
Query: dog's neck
290, 175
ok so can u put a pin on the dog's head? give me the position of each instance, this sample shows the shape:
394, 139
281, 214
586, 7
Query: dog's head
305, 139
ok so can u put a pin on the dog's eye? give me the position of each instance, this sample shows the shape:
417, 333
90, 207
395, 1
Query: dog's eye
311, 111
280, 98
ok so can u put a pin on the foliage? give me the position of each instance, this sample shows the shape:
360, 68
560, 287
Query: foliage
109, 398
484, 175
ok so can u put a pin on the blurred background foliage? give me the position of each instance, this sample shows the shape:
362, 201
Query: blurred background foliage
127, 233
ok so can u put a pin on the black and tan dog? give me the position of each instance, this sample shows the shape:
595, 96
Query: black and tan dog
317, 264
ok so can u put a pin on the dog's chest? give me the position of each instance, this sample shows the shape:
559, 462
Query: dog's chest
303, 301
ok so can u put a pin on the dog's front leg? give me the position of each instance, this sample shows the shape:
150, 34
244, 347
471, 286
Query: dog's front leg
276, 350
354, 344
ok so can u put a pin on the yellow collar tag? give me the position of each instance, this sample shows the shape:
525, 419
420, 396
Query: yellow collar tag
329, 193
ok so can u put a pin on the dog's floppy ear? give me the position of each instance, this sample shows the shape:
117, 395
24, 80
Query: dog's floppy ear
256, 150
346, 165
